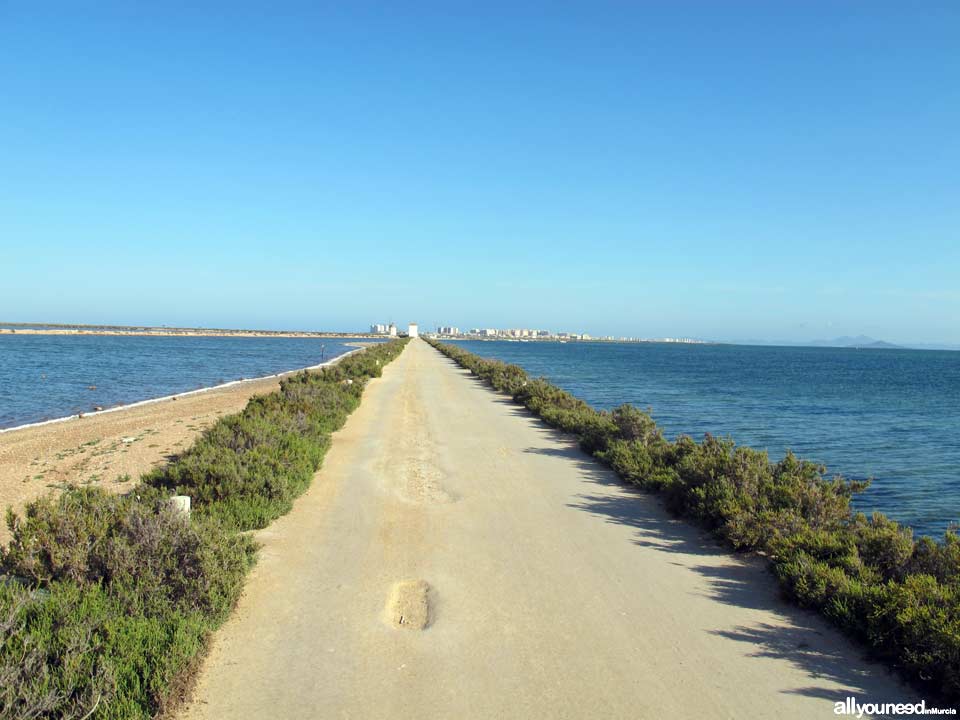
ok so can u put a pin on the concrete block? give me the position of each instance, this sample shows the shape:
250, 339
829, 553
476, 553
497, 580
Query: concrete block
181, 503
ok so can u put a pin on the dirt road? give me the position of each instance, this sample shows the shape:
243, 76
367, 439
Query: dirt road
457, 559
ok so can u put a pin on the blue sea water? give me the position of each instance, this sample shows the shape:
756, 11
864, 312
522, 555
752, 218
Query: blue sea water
893, 415
48, 376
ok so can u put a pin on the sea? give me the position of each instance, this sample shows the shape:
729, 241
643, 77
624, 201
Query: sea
891, 415
45, 377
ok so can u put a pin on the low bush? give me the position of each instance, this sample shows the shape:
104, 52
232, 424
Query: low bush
109, 600
118, 596
941, 560
899, 596
146, 552
635, 425
248, 468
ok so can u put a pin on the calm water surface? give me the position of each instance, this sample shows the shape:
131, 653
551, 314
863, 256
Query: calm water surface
48, 376
893, 415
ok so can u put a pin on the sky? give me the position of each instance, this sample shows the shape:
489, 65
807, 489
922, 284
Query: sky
735, 170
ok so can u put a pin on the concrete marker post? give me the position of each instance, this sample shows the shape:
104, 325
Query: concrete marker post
181, 504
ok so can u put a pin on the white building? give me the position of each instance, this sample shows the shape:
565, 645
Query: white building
383, 329
413, 331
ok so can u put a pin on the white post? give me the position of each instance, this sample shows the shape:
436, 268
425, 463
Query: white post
181, 503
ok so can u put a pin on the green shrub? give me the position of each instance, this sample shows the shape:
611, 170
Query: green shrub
119, 596
247, 469
634, 424
644, 465
151, 555
883, 544
918, 627
53, 662
941, 560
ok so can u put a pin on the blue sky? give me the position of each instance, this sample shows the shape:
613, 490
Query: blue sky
722, 170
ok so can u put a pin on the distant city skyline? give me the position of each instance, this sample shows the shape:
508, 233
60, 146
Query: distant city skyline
392, 330
706, 170
529, 333
541, 333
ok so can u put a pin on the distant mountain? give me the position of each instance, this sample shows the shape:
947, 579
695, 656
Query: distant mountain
847, 341
858, 341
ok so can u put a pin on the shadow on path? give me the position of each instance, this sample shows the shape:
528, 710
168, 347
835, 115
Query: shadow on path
797, 636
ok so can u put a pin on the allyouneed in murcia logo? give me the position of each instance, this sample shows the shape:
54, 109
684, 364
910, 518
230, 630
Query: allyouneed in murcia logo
850, 706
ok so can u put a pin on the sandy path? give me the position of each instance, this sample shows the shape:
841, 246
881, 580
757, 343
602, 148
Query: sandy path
456, 559
111, 449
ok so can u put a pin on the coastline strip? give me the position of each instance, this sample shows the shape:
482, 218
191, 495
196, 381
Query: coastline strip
186, 393
180, 332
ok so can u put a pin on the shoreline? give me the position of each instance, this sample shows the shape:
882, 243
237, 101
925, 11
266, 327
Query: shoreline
180, 332
185, 393
112, 448
145, 331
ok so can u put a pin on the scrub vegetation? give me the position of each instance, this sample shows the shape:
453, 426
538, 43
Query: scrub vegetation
108, 600
868, 575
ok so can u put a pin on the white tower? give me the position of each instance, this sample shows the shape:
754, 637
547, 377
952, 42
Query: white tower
412, 330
